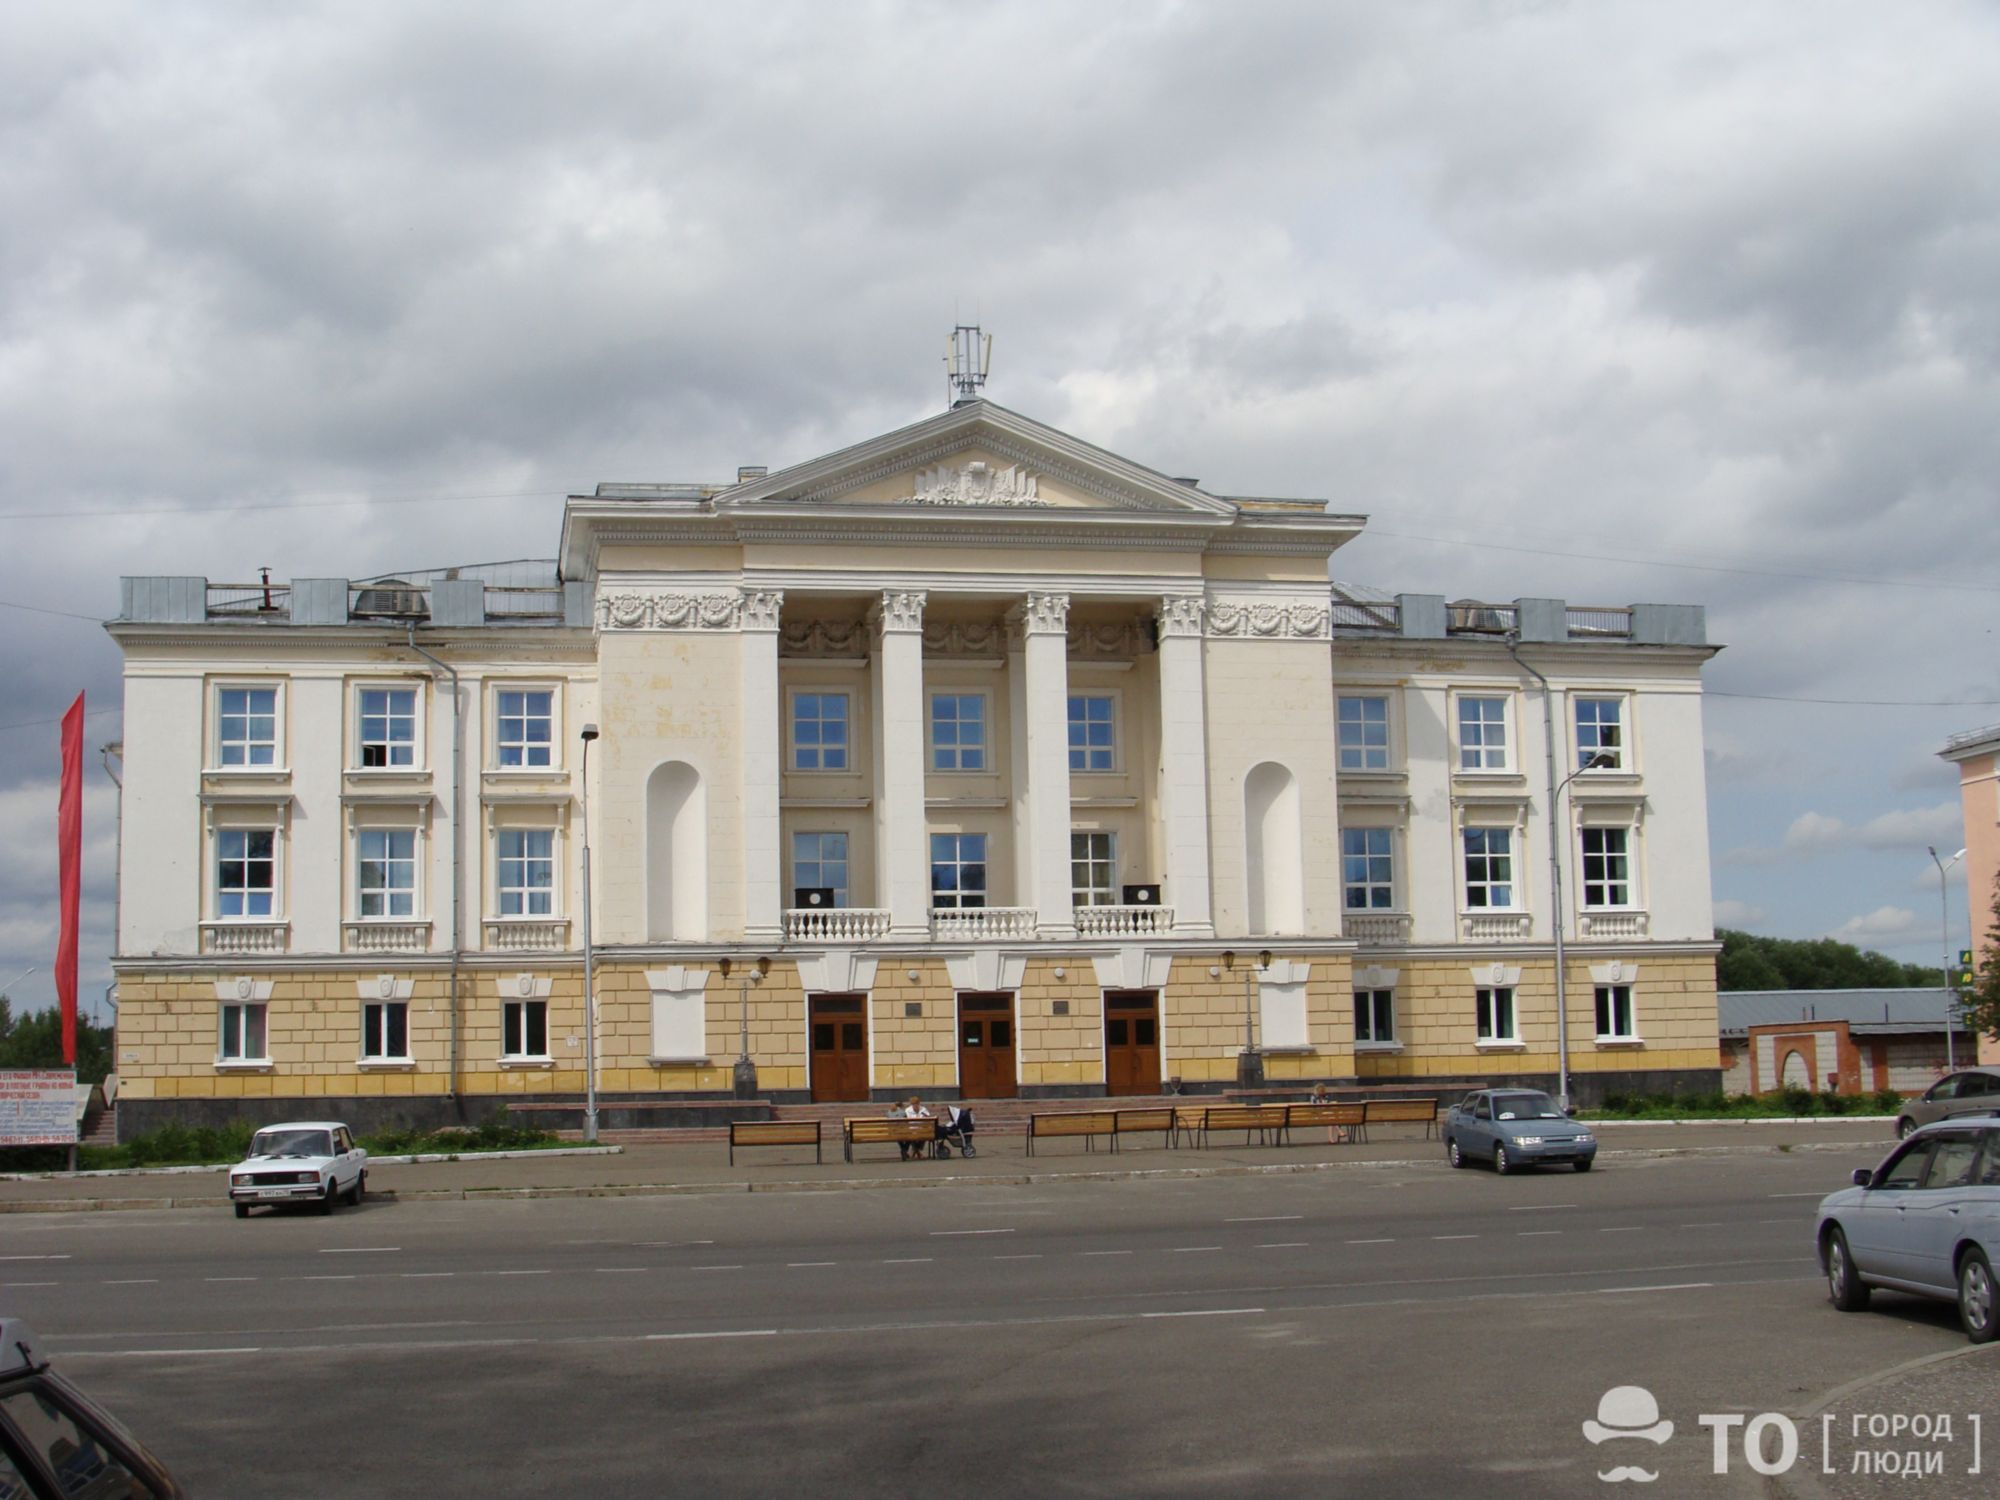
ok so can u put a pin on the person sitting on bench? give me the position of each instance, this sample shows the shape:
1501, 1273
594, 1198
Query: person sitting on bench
915, 1109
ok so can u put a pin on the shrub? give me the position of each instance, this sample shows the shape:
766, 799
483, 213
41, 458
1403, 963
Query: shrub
1885, 1102
1796, 1100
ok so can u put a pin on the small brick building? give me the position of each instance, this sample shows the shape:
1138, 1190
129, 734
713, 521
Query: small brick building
1850, 1041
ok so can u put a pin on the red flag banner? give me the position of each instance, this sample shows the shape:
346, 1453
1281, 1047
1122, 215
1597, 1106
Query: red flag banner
69, 870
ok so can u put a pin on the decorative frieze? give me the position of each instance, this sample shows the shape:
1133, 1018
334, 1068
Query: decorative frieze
1115, 641
965, 638
975, 483
1269, 619
643, 609
823, 638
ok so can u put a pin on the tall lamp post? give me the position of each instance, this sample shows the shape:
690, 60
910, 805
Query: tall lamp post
746, 1070
1944, 928
1250, 1061
589, 736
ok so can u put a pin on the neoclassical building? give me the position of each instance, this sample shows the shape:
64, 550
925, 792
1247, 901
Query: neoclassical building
971, 760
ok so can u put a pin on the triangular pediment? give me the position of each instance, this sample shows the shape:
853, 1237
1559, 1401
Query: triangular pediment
975, 458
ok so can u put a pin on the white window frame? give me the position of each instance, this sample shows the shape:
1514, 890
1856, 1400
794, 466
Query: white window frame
1620, 995
1466, 856
500, 860
1117, 764
277, 861
933, 750
1089, 894
235, 1016
498, 689
1491, 1004
984, 864
1627, 859
418, 715
415, 888
1363, 751
843, 891
511, 1027
375, 1031
1621, 745
792, 745
273, 686
1504, 764
1386, 887
1373, 1002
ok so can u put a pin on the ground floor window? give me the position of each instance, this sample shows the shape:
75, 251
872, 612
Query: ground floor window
385, 1031
1374, 1015
243, 1033
1496, 1014
524, 1029
1614, 1013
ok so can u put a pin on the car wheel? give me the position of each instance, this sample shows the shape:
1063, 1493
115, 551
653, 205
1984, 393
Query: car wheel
327, 1198
360, 1189
242, 1210
1502, 1162
1976, 1307
1904, 1126
1844, 1288
1451, 1152
1582, 1163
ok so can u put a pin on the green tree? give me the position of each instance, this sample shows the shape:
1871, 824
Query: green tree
1751, 962
1981, 1006
35, 1041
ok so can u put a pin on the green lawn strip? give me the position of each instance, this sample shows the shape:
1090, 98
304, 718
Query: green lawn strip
210, 1146
1779, 1104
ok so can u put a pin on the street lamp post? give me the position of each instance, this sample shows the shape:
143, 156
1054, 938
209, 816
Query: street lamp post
746, 1070
1250, 1061
1944, 928
589, 736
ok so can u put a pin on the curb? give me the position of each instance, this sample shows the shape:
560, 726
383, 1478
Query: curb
1597, 1124
373, 1161
1801, 1483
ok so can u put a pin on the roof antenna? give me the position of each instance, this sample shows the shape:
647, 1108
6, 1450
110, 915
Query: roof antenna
968, 355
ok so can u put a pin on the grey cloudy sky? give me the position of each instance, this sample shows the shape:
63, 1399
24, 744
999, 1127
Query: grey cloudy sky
1610, 302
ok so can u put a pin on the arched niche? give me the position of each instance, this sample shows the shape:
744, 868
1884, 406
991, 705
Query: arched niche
1274, 852
676, 854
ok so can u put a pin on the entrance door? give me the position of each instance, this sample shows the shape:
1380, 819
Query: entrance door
839, 1048
986, 1047
1131, 1042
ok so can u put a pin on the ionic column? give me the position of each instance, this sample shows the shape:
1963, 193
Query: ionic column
763, 741
902, 851
1184, 766
1041, 625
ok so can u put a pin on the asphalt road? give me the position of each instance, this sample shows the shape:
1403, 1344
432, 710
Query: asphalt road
1410, 1331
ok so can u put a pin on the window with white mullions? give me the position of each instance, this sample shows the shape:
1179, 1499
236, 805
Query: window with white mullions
526, 872
246, 871
246, 726
1600, 732
1362, 728
1093, 732
958, 731
1607, 865
386, 872
1374, 1015
524, 1029
243, 1033
1367, 869
388, 728
819, 862
1489, 867
1496, 1014
819, 732
524, 727
385, 1031
1482, 734
1614, 1013
1093, 869
958, 869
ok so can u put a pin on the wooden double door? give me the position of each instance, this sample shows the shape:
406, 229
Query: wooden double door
839, 1050
986, 1047
1131, 1041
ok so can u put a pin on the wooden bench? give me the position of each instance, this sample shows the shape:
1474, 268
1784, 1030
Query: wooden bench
1190, 1120
775, 1133
1140, 1121
1335, 1115
1088, 1123
1267, 1121
1404, 1112
886, 1130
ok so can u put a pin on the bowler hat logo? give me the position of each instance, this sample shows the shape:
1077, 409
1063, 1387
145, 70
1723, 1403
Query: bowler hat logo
1628, 1413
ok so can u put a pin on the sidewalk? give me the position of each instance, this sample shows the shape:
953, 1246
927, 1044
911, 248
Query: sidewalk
704, 1166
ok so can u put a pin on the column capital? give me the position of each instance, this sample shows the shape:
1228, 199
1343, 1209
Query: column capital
761, 608
1040, 614
1181, 615
900, 610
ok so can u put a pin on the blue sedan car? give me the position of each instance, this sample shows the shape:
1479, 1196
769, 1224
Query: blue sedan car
1515, 1128
1926, 1221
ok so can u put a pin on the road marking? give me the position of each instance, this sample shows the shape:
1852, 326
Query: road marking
1036, 1256
158, 1353
1536, 1208
910, 1260
515, 1273
1623, 1229
363, 1250
1795, 1195
722, 1333
1193, 1249
1454, 1236
327, 1278
715, 1268
136, 1281
1669, 1286
34, 1257
1264, 1219
671, 1244
1207, 1312
1368, 1242
937, 1232
619, 1270
1284, 1245
1104, 1252
801, 1265
1522, 1234
425, 1275
229, 1278
11, 1285
1713, 1224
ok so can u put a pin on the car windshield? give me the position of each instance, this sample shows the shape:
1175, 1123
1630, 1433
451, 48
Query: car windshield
291, 1143
1525, 1107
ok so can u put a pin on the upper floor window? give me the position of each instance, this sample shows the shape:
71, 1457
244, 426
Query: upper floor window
386, 872
1093, 869
1600, 732
246, 726
1367, 868
958, 731
1607, 867
1614, 1013
958, 869
1482, 734
1093, 732
524, 727
819, 732
1363, 728
1489, 867
527, 872
388, 727
819, 862
246, 872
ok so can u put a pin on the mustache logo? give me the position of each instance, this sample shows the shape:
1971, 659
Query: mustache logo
1619, 1476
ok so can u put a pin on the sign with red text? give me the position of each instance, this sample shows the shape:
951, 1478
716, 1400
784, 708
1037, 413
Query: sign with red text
37, 1107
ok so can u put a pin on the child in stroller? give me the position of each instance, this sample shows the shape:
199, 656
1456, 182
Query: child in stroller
955, 1128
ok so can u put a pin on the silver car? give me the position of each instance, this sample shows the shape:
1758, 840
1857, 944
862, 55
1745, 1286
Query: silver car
1926, 1221
1971, 1091
1515, 1128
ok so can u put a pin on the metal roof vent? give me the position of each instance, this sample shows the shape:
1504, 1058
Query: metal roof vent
747, 472
391, 597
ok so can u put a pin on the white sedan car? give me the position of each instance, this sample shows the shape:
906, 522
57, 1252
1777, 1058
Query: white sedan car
313, 1161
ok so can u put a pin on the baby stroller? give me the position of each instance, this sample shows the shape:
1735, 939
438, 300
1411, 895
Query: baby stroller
955, 1129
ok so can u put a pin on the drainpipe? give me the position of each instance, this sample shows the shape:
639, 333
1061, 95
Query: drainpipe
457, 844
1556, 839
